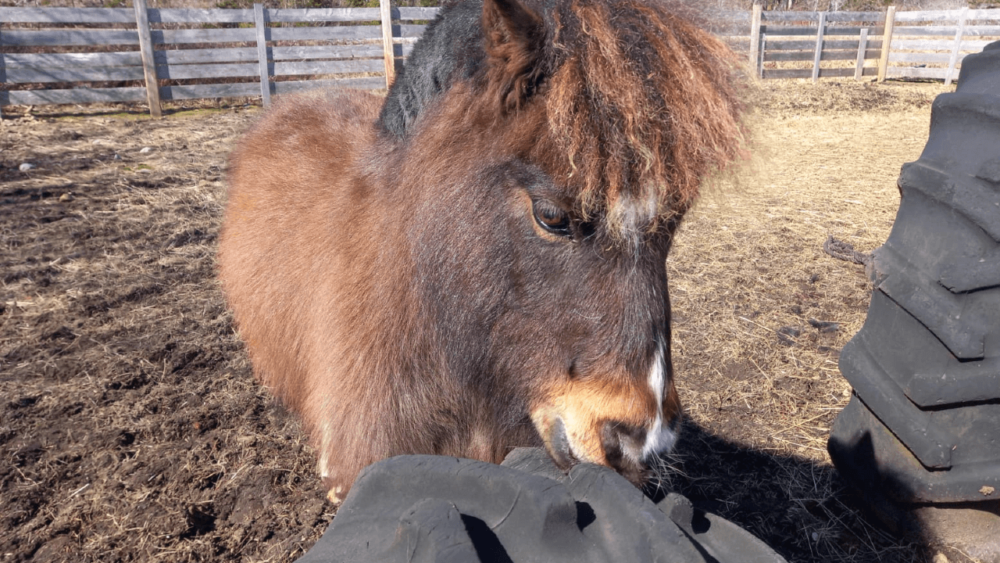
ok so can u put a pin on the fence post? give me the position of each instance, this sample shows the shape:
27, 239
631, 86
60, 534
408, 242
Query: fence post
763, 49
953, 60
3, 78
148, 62
883, 61
859, 68
385, 8
260, 23
819, 45
755, 54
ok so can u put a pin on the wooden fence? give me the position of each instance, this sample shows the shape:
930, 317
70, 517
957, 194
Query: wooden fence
194, 53
890, 44
933, 44
81, 55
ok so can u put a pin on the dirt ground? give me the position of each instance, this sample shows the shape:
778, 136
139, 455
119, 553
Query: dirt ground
131, 428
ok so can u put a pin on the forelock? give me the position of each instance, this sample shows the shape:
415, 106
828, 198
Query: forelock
643, 105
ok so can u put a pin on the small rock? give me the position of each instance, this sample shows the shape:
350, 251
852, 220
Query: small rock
787, 335
145, 150
68, 196
825, 326
790, 331
116, 157
25, 166
940, 558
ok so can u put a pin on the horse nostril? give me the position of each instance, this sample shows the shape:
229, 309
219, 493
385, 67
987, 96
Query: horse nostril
622, 443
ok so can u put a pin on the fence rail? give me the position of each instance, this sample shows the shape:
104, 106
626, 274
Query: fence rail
890, 44
194, 53
47, 57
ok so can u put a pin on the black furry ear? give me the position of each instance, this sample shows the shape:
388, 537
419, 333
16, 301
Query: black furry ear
515, 37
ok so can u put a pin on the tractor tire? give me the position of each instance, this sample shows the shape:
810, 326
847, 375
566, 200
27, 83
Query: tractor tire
923, 424
423, 508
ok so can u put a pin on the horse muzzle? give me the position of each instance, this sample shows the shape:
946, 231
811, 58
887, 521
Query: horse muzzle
626, 433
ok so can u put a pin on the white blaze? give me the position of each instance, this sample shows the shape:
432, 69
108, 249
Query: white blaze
659, 439
634, 214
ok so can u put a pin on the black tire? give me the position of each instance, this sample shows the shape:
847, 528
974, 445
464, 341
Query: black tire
438, 509
924, 422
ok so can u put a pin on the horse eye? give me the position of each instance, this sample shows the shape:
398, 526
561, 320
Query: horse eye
551, 217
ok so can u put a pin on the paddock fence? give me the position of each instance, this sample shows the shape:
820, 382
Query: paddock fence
87, 55
890, 44
48, 57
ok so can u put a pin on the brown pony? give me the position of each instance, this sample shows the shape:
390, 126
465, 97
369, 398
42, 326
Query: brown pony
477, 261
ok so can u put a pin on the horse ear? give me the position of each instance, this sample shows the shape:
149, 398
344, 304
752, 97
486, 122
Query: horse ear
515, 38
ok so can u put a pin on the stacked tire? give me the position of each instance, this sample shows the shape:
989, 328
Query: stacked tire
423, 508
923, 425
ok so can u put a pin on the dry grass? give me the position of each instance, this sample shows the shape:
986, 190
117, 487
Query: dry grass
130, 428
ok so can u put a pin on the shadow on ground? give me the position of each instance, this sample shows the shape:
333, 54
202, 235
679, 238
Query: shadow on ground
803, 510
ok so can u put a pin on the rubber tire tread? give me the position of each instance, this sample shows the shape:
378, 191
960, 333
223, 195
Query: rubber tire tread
926, 363
422, 508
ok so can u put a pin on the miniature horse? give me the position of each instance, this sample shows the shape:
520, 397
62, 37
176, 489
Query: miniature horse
477, 261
